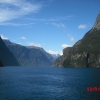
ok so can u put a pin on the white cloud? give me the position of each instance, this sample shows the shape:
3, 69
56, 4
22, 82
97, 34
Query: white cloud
44, 19
55, 52
82, 26
19, 43
59, 25
52, 19
34, 44
23, 37
11, 9
3, 37
71, 38
65, 45
14, 24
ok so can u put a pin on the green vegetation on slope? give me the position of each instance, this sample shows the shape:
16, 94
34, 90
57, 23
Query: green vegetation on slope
86, 53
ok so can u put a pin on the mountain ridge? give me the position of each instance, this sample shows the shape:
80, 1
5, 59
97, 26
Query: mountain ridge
30, 55
6, 56
85, 52
97, 23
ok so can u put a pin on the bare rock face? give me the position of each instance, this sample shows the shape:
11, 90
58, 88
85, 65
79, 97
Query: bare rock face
66, 52
97, 23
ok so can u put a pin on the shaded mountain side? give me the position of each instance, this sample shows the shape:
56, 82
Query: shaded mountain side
1, 65
85, 52
29, 56
6, 56
58, 62
6, 41
49, 56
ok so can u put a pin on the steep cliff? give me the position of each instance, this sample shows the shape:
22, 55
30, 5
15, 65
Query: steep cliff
85, 52
6, 56
97, 22
58, 62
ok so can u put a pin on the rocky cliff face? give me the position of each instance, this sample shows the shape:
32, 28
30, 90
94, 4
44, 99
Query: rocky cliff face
97, 23
58, 62
6, 56
85, 52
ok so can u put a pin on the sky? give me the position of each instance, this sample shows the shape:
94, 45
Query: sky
50, 24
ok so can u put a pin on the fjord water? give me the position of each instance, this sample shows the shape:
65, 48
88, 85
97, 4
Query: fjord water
47, 83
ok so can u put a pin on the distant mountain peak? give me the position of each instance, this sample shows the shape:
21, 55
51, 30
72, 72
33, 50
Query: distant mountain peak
97, 22
55, 56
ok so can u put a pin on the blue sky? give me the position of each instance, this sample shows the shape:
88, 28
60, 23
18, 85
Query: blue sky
51, 24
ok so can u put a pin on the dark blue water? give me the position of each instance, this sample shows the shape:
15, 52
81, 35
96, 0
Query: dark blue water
45, 83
